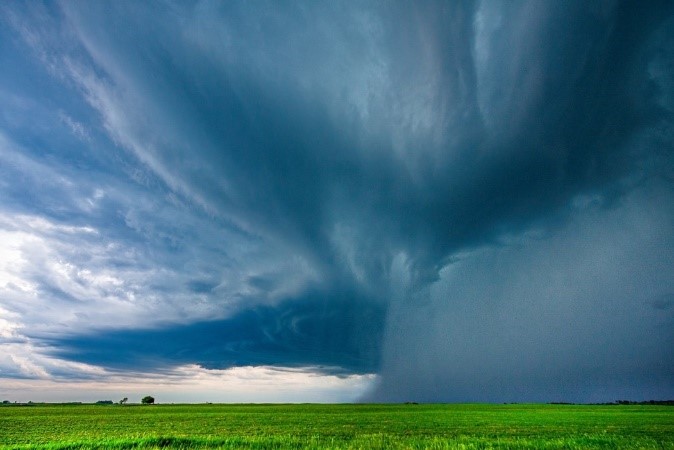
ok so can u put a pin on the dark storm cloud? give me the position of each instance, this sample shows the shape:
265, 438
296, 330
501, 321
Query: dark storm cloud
507, 140
564, 105
330, 334
662, 302
271, 150
571, 316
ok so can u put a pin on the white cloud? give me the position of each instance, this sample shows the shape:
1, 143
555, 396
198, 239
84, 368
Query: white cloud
78, 129
236, 385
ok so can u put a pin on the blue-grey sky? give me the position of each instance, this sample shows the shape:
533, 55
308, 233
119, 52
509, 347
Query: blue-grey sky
337, 201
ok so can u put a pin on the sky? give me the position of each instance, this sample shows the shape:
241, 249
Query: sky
278, 201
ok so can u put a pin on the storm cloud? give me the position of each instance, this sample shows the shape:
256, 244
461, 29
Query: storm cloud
472, 200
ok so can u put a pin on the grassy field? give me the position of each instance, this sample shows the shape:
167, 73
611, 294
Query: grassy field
336, 426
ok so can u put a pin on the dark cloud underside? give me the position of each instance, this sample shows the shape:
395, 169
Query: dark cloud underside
327, 333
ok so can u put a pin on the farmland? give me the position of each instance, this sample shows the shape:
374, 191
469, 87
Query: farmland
336, 426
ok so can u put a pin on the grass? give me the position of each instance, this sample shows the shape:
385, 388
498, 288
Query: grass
336, 426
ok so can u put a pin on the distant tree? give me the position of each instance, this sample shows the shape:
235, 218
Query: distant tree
147, 400
104, 402
123, 401
5, 402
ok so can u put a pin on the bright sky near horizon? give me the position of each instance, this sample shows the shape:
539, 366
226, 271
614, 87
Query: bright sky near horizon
263, 201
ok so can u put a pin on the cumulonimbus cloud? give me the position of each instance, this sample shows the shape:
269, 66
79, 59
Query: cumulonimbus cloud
311, 175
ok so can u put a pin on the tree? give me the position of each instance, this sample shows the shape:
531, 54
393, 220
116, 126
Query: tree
147, 400
123, 401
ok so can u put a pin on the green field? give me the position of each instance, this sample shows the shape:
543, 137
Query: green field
336, 426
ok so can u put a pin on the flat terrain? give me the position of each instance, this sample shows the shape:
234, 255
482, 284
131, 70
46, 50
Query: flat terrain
336, 426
